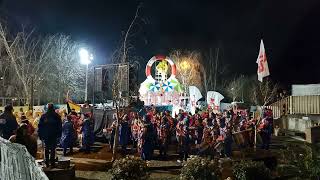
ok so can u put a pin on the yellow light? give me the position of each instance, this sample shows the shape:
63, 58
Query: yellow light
184, 65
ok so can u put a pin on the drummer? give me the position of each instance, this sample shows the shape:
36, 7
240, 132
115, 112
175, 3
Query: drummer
265, 132
228, 142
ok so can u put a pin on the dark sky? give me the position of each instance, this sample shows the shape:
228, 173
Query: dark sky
290, 29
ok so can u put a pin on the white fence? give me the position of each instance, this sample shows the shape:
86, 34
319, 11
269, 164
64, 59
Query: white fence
296, 105
17, 164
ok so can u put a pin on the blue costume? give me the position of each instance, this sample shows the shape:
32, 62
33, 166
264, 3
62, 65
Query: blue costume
124, 134
49, 130
68, 136
87, 135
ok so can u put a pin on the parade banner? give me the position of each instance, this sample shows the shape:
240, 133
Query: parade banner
213, 99
263, 69
195, 95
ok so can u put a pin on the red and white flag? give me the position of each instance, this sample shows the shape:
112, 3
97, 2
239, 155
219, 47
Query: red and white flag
263, 69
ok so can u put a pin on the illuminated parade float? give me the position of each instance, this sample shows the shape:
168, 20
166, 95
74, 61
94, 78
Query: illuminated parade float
161, 91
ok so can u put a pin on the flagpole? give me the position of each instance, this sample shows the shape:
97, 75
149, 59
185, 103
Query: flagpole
263, 71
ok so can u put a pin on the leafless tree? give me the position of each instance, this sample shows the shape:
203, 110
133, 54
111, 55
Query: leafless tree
235, 88
188, 67
212, 70
48, 65
66, 72
28, 54
121, 55
263, 93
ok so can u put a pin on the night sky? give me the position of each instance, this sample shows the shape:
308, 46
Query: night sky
290, 30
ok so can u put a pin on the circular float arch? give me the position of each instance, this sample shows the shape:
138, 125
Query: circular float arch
160, 58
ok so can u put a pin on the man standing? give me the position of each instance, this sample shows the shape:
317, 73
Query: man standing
50, 128
8, 122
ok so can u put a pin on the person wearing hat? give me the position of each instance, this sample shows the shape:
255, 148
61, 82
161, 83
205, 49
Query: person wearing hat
8, 122
49, 130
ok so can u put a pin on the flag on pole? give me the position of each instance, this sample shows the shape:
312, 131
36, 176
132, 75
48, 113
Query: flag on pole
263, 69
195, 95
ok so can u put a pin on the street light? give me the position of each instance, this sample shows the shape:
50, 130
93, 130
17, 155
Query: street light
85, 58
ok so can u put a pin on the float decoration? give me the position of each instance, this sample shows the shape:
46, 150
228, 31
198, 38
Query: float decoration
163, 91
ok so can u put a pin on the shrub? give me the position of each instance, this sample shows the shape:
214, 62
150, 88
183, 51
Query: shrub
251, 170
197, 168
304, 158
129, 168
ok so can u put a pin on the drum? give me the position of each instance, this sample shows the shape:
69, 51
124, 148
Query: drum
238, 138
219, 147
242, 138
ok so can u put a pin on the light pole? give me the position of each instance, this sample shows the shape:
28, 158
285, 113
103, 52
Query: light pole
85, 58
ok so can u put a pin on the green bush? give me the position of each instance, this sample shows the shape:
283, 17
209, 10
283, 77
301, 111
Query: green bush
197, 168
251, 170
129, 168
304, 158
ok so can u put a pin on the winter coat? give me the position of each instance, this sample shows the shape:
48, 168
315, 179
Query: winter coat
8, 125
50, 127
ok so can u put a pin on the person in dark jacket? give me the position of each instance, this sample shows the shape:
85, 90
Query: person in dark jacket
49, 130
23, 137
148, 139
68, 135
8, 122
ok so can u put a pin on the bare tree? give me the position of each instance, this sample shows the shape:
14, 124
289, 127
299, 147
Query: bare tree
66, 72
188, 67
263, 93
48, 65
121, 55
28, 55
212, 70
235, 88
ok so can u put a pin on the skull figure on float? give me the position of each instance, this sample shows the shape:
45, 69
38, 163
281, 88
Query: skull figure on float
162, 68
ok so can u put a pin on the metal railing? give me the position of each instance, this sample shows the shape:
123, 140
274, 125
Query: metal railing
17, 164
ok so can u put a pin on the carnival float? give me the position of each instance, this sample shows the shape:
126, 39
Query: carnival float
161, 91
